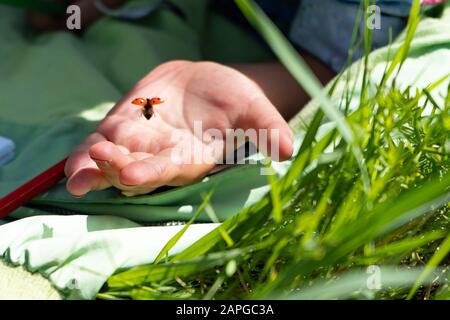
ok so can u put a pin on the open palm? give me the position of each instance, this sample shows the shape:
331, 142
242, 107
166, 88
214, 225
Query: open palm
137, 155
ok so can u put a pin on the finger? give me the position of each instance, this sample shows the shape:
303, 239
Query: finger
82, 172
80, 156
160, 170
86, 180
110, 159
278, 142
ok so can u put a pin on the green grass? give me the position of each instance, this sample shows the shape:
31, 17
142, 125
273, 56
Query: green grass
374, 191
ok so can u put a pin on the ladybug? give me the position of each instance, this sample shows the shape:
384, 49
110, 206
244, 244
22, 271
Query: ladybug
147, 105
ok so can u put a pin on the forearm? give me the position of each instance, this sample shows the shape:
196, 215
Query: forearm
280, 87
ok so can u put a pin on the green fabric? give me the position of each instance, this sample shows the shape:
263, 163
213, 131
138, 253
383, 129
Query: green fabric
174, 204
55, 87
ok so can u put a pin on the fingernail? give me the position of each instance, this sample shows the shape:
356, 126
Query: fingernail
79, 185
290, 142
292, 135
103, 164
287, 137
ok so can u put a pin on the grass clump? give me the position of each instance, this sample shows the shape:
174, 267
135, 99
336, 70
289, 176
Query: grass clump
364, 207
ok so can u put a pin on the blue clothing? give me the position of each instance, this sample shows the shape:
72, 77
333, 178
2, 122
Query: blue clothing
399, 8
7, 148
324, 28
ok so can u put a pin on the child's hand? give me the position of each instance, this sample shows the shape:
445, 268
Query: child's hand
137, 155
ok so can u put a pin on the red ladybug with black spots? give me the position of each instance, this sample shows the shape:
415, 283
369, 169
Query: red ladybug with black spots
147, 105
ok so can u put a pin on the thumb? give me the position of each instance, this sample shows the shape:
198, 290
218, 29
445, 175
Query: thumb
274, 136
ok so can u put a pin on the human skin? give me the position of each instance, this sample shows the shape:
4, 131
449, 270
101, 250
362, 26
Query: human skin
135, 155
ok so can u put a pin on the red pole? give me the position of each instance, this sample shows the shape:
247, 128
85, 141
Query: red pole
32, 188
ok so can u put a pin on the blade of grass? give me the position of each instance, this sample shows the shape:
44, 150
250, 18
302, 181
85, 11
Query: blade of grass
237, 226
212, 215
400, 56
354, 283
275, 196
402, 247
216, 286
440, 255
158, 272
384, 218
171, 243
367, 49
303, 74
